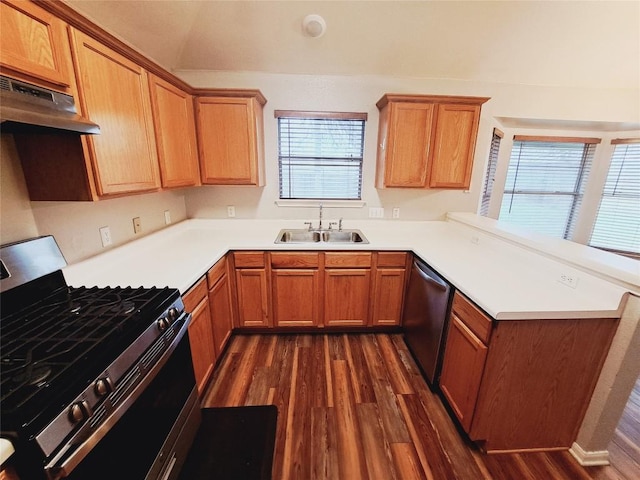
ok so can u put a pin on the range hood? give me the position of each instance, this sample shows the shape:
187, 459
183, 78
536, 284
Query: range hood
27, 108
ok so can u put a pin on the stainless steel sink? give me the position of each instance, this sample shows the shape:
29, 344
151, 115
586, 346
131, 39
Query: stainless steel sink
344, 236
314, 236
298, 236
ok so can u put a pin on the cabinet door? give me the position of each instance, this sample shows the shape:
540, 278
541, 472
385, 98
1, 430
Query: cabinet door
221, 319
462, 369
253, 306
346, 297
114, 93
295, 297
201, 341
454, 146
34, 43
175, 130
407, 144
228, 132
388, 296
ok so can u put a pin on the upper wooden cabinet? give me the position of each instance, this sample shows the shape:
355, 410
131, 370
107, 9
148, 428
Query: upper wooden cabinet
175, 131
230, 137
427, 141
114, 93
35, 45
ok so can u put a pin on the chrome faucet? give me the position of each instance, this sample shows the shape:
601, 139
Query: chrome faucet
320, 222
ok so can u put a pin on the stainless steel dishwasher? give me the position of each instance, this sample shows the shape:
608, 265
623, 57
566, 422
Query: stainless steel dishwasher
425, 318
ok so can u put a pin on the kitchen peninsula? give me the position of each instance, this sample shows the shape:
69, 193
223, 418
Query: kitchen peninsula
506, 277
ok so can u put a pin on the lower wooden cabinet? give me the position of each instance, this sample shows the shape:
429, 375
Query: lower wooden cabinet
200, 333
389, 285
319, 289
252, 293
295, 282
462, 370
220, 305
522, 385
346, 296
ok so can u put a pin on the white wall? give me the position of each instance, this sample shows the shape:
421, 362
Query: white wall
75, 225
360, 94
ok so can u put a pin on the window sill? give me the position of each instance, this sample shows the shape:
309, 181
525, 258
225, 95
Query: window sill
325, 203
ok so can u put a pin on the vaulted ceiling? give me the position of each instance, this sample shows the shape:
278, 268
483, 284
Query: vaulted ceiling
571, 44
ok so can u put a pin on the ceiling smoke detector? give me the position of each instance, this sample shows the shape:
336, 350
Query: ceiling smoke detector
314, 25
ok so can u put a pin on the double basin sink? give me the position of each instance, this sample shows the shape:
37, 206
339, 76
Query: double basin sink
317, 236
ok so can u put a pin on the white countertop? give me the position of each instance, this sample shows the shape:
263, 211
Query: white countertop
506, 280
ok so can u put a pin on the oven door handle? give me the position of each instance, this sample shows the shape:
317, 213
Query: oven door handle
63, 463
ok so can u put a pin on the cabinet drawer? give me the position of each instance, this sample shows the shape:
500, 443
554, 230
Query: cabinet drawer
472, 317
216, 272
249, 259
347, 259
392, 259
294, 259
195, 294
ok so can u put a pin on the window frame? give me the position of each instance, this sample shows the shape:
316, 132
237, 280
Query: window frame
320, 115
490, 174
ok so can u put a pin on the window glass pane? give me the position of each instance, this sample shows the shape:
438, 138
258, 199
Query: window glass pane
544, 185
320, 158
526, 211
617, 226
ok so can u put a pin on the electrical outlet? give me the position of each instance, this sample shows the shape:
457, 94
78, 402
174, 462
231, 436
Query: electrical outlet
396, 213
231, 211
137, 225
376, 212
105, 235
167, 217
568, 279
475, 239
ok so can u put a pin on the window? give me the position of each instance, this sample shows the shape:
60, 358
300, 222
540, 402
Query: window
491, 171
545, 183
320, 155
617, 225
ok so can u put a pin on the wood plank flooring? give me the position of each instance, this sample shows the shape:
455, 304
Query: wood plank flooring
355, 406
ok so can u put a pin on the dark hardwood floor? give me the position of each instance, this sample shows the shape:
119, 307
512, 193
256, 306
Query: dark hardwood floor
355, 406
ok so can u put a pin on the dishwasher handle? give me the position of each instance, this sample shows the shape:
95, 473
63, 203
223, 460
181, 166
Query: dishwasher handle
430, 276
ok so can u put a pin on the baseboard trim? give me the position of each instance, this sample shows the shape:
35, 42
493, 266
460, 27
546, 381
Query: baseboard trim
589, 459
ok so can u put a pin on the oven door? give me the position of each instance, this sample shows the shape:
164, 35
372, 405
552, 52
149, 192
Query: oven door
153, 437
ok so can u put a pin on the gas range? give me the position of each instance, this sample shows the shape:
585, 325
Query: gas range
74, 359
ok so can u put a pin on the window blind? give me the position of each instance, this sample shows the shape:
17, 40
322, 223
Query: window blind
617, 225
320, 158
491, 172
545, 183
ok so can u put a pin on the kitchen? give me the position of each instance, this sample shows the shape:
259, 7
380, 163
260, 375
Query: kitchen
75, 225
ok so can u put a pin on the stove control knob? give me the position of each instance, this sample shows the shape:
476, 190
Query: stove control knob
79, 411
103, 386
172, 314
163, 323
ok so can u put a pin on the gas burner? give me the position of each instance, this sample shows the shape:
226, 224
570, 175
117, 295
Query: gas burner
123, 308
32, 375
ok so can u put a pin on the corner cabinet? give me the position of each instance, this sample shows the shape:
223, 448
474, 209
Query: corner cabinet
511, 393
175, 133
114, 93
427, 141
230, 136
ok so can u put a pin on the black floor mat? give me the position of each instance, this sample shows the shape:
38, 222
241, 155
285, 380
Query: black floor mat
233, 443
